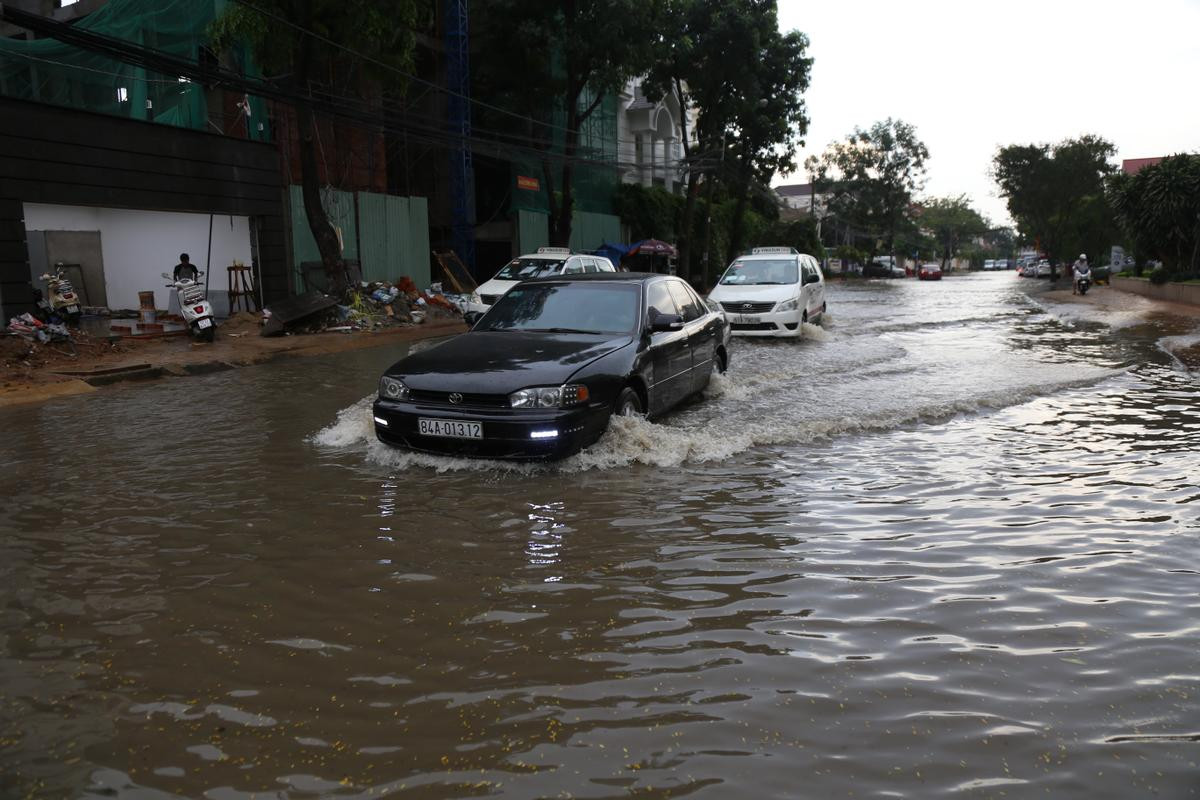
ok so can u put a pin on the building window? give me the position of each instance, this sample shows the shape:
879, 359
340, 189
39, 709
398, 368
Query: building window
122, 94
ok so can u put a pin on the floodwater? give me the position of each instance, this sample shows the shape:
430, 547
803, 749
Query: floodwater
944, 547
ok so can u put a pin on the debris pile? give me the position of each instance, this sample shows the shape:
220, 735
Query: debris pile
370, 306
29, 327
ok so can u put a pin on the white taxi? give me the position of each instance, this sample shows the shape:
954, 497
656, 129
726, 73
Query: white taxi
546, 262
771, 291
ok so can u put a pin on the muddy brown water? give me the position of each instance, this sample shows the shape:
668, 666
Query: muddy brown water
944, 547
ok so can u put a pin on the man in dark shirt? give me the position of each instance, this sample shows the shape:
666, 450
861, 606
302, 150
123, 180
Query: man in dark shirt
185, 270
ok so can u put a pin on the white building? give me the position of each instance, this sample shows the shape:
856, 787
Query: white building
799, 197
649, 145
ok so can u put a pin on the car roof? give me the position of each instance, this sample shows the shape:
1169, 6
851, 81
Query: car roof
767, 256
547, 256
608, 277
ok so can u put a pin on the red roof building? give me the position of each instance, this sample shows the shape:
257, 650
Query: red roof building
1131, 166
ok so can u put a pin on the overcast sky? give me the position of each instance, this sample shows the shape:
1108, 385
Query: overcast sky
973, 76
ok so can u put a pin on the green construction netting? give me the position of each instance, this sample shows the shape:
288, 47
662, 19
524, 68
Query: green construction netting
49, 71
595, 177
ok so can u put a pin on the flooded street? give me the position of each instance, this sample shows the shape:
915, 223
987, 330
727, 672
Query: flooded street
943, 547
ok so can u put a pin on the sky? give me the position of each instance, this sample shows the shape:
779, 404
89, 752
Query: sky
973, 76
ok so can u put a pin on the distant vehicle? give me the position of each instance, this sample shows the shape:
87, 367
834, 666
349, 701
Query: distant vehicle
989, 264
544, 370
771, 292
1043, 269
546, 262
929, 272
883, 267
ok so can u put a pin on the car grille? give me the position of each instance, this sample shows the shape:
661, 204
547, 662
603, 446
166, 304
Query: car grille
738, 307
753, 326
468, 400
489, 299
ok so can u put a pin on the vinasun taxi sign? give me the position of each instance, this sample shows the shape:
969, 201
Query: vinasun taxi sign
773, 251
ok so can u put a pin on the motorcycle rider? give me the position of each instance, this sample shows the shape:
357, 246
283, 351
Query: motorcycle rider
1081, 270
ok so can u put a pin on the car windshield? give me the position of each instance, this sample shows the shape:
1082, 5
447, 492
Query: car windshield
773, 271
567, 307
520, 269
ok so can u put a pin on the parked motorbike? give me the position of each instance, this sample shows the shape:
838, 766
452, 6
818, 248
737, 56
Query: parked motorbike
63, 301
194, 307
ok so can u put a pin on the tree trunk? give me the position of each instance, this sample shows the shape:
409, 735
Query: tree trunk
737, 227
310, 186
310, 182
683, 237
706, 268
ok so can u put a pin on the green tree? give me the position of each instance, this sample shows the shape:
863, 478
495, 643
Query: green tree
557, 60
952, 223
800, 234
870, 179
728, 60
282, 35
649, 212
1055, 193
1159, 207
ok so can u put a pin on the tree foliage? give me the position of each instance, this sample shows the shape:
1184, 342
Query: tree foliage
1055, 193
649, 212
800, 234
745, 79
952, 224
871, 178
1159, 207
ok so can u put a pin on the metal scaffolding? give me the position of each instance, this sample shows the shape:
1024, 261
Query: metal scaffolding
462, 177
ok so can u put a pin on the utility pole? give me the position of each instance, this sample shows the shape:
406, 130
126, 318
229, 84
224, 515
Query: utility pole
707, 275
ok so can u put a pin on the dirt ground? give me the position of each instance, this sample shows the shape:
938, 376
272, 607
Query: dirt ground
32, 372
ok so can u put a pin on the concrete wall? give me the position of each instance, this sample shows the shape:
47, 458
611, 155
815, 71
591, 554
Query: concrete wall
137, 246
1173, 292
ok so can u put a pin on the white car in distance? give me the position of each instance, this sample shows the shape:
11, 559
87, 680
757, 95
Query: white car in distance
547, 261
770, 292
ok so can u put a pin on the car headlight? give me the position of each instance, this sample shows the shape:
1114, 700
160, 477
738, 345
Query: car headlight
392, 388
788, 305
571, 394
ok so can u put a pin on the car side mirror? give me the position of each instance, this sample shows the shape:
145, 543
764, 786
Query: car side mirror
666, 322
811, 279
471, 317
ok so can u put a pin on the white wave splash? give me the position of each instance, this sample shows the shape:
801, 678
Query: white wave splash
710, 431
1181, 349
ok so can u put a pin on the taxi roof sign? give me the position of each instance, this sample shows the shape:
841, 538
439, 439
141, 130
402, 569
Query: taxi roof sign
774, 251
557, 251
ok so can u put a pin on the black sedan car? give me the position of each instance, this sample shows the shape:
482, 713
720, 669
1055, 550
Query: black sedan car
539, 375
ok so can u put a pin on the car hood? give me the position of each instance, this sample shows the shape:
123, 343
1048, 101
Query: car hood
501, 362
496, 286
754, 293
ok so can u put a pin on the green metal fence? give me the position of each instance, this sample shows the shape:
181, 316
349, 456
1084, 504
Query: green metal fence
386, 234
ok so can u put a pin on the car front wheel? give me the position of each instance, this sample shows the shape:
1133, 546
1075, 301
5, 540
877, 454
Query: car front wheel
628, 403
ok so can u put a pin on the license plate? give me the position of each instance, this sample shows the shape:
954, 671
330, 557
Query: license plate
72, 309
204, 323
449, 428
742, 319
